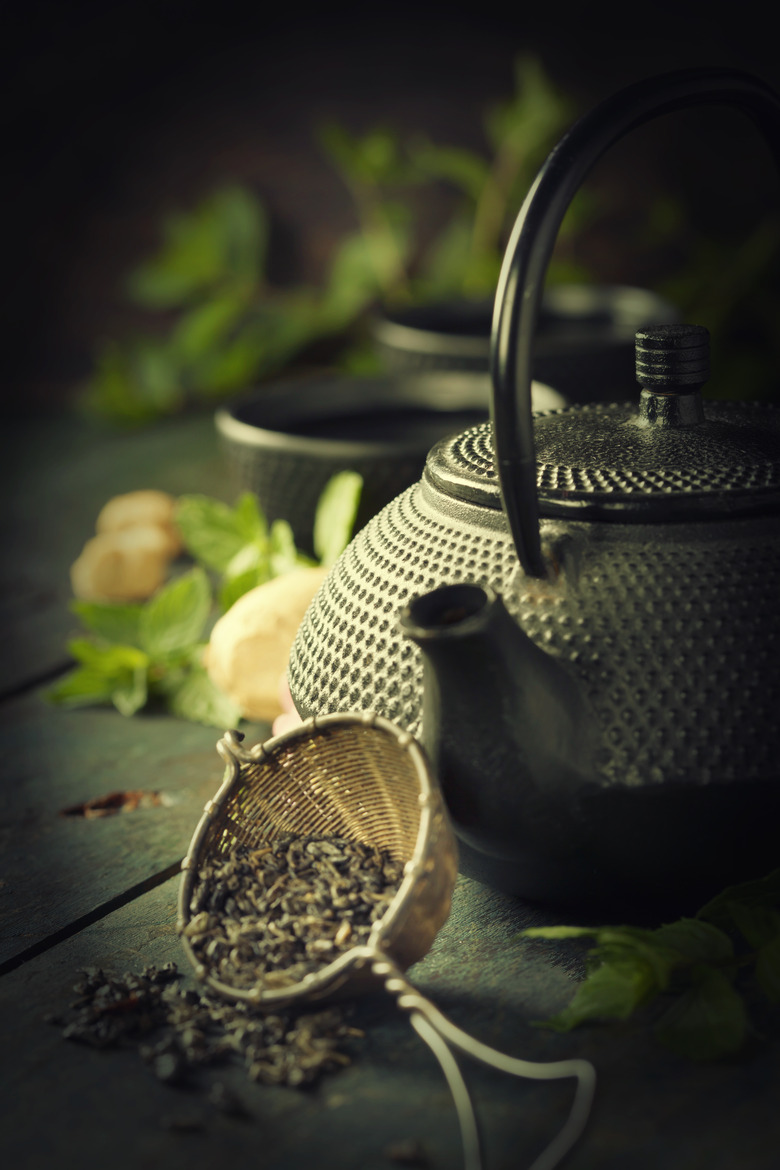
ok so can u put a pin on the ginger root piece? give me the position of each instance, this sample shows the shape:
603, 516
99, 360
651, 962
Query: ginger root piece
142, 509
250, 644
126, 565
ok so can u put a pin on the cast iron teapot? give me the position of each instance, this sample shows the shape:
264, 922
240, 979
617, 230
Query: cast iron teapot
589, 634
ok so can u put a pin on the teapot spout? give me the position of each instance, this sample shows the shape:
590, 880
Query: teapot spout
505, 724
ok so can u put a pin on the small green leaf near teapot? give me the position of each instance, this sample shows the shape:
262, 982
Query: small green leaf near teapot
693, 962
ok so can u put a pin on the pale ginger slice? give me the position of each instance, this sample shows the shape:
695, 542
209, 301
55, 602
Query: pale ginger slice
127, 565
142, 509
250, 644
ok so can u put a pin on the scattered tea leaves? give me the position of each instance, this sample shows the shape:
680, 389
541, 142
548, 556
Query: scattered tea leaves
179, 1031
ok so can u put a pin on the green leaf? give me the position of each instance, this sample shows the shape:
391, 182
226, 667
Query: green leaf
85, 686
533, 118
203, 328
695, 941
761, 892
250, 521
768, 969
335, 516
121, 389
757, 924
109, 660
210, 530
612, 991
106, 674
114, 622
220, 242
709, 1020
197, 699
174, 618
284, 554
373, 159
465, 169
366, 265
131, 692
250, 566
234, 587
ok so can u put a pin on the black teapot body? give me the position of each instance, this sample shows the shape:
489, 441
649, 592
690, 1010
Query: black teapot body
578, 614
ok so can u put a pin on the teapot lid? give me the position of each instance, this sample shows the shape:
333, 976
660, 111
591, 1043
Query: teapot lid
671, 456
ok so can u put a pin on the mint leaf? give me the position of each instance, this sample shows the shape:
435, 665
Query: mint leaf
709, 1020
113, 622
612, 991
220, 242
757, 924
761, 892
173, 620
696, 941
335, 516
234, 587
131, 692
211, 531
115, 674
284, 554
84, 686
197, 699
249, 520
768, 969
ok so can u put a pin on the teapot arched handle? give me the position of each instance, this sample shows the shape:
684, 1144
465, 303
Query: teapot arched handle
521, 282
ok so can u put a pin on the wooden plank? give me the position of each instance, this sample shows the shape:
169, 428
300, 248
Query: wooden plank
55, 476
58, 868
62, 1103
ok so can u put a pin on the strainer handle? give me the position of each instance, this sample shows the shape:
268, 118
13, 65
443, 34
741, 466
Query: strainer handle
521, 282
442, 1036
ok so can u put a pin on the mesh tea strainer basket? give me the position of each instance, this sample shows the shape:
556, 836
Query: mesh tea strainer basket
359, 778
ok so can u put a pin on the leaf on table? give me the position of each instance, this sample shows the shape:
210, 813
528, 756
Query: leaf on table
695, 941
112, 621
131, 692
763, 891
174, 618
105, 674
335, 516
707, 1021
613, 990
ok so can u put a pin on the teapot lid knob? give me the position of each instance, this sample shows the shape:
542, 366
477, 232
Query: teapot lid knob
672, 365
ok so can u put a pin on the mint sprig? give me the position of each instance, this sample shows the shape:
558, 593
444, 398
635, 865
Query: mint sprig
245, 551
146, 654
696, 970
151, 653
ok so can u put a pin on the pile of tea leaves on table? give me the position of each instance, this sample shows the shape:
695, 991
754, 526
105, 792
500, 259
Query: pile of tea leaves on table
179, 1031
700, 974
261, 917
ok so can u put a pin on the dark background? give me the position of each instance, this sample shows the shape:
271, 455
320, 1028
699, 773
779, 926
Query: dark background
117, 112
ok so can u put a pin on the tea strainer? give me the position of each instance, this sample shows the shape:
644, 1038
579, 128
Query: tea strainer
361, 778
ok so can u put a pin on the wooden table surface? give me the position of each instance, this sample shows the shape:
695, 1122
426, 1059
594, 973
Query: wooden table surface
78, 892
